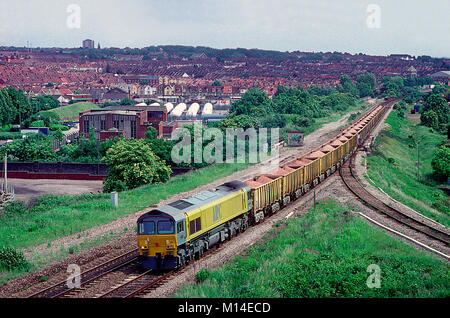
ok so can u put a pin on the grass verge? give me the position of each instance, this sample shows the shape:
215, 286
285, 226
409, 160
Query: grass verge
392, 167
326, 253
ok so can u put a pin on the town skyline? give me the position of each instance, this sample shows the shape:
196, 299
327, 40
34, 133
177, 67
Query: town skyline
354, 27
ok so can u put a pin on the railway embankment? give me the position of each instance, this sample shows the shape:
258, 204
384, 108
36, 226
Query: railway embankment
400, 173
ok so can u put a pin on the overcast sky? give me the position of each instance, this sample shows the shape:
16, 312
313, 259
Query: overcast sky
414, 27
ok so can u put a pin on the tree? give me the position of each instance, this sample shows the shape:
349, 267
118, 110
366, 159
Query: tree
20, 103
8, 111
291, 100
151, 133
346, 85
44, 102
438, 105
217, 83
430, 119
30, 149
441, 163
126, 102
131, 163
393, 86
253, 103
366, 84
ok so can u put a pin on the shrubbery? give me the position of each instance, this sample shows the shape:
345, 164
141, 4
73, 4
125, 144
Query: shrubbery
10, 259
131, 163
289, 106
441, 163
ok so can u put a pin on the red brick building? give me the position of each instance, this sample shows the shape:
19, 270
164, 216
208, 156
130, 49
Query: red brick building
127, 121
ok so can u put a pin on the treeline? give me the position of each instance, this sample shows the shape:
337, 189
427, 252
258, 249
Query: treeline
17, 108
296, 107
182, 51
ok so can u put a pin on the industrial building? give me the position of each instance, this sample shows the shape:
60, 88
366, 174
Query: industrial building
127, 121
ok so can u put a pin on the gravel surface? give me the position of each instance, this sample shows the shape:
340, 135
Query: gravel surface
26, 189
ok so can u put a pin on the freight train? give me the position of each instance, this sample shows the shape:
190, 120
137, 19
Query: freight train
171, 235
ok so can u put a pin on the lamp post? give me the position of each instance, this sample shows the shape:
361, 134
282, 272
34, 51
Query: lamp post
417, 142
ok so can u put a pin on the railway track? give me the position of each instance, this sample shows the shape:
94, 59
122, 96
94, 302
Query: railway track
137, 285
353, 184
61, 289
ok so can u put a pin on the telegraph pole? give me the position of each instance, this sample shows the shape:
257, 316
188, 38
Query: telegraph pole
418, 162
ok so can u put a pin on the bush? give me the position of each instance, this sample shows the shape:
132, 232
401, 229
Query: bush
202, 275
132, 163
10, 259
441, 163
353, 116
430, 119
13, 208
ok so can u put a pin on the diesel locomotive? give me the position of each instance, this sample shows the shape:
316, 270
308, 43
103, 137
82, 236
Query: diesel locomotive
172, 235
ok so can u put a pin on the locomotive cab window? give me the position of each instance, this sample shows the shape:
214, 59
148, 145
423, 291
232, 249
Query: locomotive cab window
180, 227
146, 228
166, 227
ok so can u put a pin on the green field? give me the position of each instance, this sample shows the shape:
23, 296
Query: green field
71, 112
325, 253
392, 168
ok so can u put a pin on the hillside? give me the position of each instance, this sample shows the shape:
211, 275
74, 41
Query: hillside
71, 112
392, 167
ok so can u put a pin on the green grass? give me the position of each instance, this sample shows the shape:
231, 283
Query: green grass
392, 168
71, 112
326, 253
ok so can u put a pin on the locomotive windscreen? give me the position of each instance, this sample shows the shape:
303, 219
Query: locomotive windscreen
155, 226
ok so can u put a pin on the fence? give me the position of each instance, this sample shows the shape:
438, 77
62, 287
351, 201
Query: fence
64, 170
